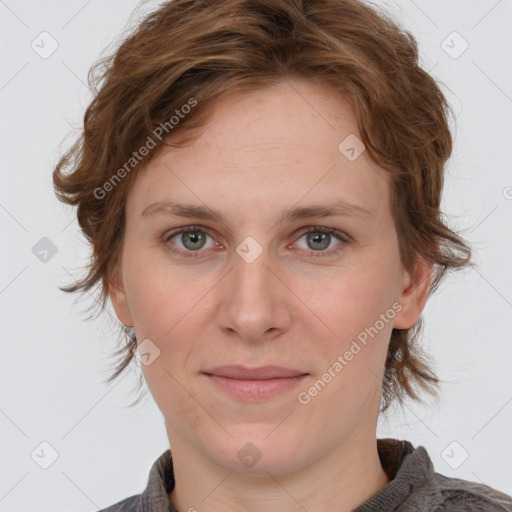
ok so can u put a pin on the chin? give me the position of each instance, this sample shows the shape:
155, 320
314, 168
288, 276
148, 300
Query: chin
253, 451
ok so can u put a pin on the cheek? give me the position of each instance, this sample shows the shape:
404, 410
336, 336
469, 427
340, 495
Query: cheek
357, 318
347, 302
158, 298
166, 385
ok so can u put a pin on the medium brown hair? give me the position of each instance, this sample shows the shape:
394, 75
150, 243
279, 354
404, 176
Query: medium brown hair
190, 51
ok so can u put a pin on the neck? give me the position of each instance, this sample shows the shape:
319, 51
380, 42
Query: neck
339, 481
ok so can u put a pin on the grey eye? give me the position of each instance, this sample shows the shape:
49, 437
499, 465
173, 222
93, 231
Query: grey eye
318, 241
193, 240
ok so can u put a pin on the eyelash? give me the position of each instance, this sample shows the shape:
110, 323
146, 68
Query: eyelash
339, 235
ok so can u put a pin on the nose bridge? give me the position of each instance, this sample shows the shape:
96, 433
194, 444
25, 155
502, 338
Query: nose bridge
252, 301
252, 281
252, 277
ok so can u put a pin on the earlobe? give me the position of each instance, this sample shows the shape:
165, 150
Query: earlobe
414, 295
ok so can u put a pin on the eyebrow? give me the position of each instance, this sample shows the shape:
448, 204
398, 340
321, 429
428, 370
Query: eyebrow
337, 208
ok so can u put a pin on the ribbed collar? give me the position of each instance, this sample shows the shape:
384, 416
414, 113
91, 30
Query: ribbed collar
408, 469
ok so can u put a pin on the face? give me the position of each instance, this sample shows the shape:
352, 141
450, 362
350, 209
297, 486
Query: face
253, 287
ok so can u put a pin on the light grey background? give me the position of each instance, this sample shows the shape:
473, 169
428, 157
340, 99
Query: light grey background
53, 361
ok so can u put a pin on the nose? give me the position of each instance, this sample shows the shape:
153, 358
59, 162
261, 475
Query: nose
254, 304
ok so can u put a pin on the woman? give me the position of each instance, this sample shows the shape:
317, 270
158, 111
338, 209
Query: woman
260, 183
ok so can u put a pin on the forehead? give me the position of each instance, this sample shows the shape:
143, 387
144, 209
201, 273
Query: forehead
278, 144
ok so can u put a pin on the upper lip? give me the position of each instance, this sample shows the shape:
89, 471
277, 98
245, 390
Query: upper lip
260, 373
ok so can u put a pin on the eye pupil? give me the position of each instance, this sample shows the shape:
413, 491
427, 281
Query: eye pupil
319, 237
195, 237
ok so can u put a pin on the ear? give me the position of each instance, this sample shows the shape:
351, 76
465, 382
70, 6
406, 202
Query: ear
119, 300
415, 288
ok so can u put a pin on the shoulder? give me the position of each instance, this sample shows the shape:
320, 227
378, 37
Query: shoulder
416, 487
455, 494
156, 494
127, 505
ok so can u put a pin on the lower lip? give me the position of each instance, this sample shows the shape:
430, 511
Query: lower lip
254, 390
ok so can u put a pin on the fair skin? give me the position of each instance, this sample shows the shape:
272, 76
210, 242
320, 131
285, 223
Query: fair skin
299, 304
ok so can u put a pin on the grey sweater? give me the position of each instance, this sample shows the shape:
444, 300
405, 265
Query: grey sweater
414, 486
